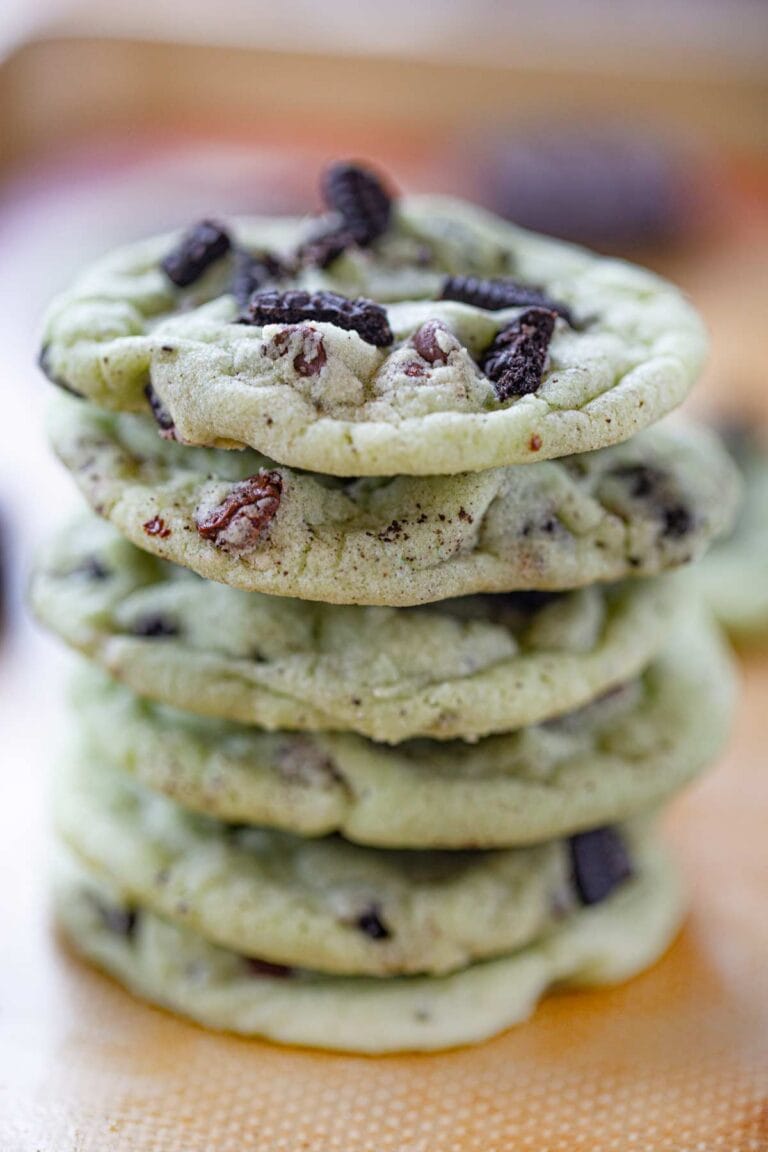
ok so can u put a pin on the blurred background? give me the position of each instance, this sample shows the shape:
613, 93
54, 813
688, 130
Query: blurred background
639, 128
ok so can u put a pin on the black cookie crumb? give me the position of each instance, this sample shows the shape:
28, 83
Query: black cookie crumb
198, 248
599, 863
363, 316
493, 295
370, 922
154, 627
360, 199
162, 416
515, 360
321, 250
251, 273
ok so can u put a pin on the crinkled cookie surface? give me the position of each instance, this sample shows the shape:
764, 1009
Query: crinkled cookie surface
180, 969
634, 509
463, 668
614, 758
311, 394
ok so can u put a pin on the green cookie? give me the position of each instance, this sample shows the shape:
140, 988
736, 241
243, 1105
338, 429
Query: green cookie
461, 668
175, 967
316, 395
634, 509
323, 904
616, 757
734, 576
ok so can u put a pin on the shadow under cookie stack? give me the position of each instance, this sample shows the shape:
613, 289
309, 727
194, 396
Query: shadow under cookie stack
379, 709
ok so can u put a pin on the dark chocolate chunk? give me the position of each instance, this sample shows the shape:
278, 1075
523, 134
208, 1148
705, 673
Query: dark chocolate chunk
322, 249
599, 863
252, 503
370, 922
154, 626
201, 246
677, 521
266, 968
516, 358
493, 295
162, 416
251, 273
369, 320
360, 199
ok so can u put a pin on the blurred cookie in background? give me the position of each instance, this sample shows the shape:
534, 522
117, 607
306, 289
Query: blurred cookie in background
608, 186
734, 575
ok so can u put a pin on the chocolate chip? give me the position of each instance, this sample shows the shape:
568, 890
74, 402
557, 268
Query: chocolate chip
154, 626
599, 863
493, 295
677, 521
360, 199
162, 416
434, 341
266, 968
251, 273
243, 517
371, 924
363, 316
198, 248
515, 360
642, 480
311, 356
118, 920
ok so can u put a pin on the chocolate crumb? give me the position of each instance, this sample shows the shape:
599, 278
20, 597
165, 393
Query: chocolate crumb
323, 248
677, 522
201, 246
91, 569
154, 627
117, 920
359, 315
515, 360
252, 272
371, 924
44, 364
156, 527
599, 863
162, 416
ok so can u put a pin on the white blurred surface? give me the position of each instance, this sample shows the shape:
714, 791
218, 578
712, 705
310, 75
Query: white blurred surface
648, 37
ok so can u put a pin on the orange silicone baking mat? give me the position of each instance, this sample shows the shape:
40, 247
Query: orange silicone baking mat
675, 1061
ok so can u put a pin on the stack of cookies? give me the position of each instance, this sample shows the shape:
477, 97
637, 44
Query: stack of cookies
388, 673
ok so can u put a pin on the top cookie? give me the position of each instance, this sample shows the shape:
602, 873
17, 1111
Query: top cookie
457, 341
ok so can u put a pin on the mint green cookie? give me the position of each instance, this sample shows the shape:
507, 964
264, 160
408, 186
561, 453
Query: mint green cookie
614, 758
314, 395
635, 509
461, 668
179, 969
733, 578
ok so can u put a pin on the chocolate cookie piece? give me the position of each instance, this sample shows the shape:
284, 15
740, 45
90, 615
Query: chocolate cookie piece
200, 247
251, 273
493, 295
360, 199
363, 316
515, 360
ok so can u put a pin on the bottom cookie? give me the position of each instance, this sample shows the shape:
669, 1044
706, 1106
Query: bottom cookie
180, 970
